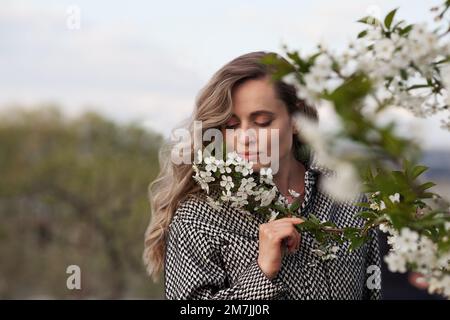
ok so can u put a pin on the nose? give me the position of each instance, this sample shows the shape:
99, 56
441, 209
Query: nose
247, 138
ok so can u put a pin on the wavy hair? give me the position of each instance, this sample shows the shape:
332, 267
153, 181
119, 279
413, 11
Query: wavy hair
213, 106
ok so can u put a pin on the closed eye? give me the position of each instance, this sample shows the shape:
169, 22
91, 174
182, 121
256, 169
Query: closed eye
231, 126
260, 124
264, 124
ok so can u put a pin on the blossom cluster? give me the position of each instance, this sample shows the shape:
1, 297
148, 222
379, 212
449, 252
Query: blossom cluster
413, 251
390, 65
407, 68
233, 181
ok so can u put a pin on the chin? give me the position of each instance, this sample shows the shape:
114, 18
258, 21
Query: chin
257, 166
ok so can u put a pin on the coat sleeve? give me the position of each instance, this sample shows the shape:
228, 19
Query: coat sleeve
372, 288
193, 270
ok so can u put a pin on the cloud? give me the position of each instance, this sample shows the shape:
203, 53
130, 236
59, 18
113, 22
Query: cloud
113, 67
150, 61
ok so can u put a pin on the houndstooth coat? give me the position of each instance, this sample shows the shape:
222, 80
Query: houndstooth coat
212, 254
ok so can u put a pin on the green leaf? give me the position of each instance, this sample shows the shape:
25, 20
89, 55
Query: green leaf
427, 185
362, 34
280, 66
398, 24
314, 219
370, 21
364, 205
294, 56
349, 93
367, 214
427, 195
418, 170
307, 225
389, 18
294, 206
329, 224
405, 30
403, 74
279, 208
400, 177
351, 232
356, 243
369, 174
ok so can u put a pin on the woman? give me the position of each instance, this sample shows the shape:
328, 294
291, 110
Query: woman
227, 253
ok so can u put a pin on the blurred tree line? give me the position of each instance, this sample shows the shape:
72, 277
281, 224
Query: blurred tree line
74, 191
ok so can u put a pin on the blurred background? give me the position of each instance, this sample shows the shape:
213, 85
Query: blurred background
88, 92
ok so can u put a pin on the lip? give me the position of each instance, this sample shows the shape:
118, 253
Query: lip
248, 154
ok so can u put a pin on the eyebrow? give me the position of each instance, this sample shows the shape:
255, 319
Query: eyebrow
257, 113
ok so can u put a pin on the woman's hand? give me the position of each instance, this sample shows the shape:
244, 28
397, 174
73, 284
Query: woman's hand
272, 238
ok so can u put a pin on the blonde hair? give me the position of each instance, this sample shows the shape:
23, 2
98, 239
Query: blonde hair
213, 107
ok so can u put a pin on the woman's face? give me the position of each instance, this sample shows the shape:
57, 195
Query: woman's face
256, 106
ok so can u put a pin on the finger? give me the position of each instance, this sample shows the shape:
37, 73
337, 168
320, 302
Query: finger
292, 220
286, 246
291, 242
284, 231
287, 224
298, 241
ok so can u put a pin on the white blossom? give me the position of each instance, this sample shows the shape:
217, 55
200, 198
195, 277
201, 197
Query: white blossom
334, 249
318, 252
266, 175
406, 241
210, 164
395, 197
222, 167
293, 193
227, 182
395, 262
215, 204
233, 158
384, 227
226, 195
245, 168
384, 48
273, 214
268, 196
282, 200
247, 185
345, 185
409, 248
328, 252
203, 178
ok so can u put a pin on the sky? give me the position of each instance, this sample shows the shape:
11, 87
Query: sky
147, 60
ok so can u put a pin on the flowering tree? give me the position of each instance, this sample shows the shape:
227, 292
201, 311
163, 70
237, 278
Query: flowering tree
391, 64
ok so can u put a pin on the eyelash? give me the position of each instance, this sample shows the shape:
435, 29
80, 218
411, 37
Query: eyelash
265, 124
